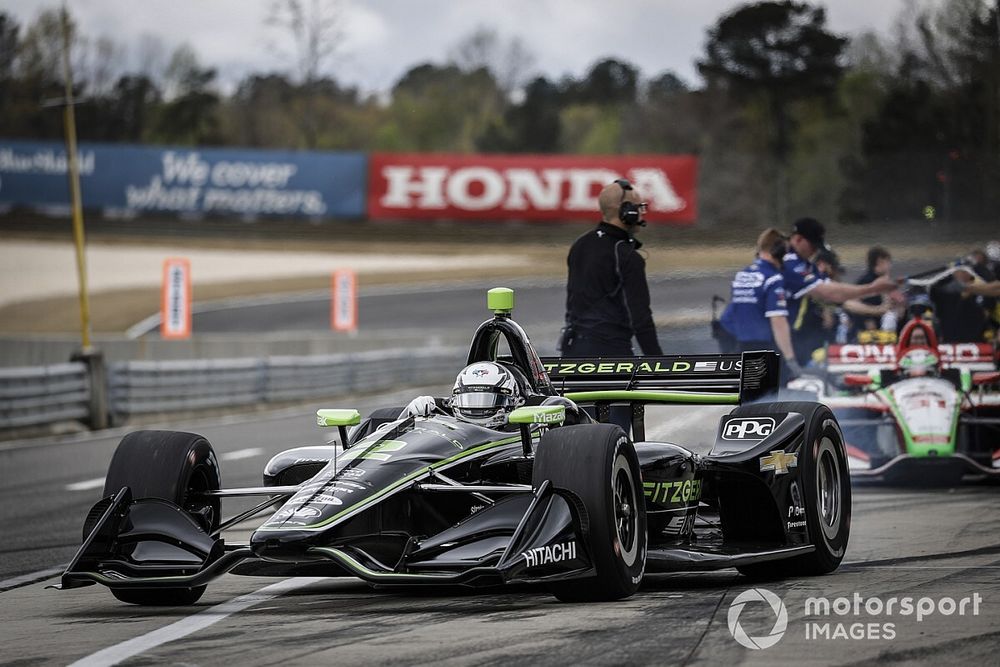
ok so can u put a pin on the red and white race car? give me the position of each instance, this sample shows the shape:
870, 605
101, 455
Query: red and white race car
917, 410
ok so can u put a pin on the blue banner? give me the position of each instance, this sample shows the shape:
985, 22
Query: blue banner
158, 179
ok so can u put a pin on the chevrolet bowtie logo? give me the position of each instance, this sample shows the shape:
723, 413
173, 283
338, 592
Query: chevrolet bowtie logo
779, 462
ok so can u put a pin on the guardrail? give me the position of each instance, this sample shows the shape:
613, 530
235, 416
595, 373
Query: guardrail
30, 396
39, 395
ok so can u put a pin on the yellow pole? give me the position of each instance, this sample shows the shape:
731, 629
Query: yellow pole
69, 121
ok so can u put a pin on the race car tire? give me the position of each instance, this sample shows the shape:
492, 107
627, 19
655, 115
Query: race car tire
597, 463
826, 482
169, 465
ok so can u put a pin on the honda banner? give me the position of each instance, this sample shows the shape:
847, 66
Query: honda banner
525, 187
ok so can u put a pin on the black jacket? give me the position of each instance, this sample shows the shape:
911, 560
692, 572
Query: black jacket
607, 296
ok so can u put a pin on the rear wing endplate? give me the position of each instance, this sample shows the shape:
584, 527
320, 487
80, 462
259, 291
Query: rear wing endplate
707, 378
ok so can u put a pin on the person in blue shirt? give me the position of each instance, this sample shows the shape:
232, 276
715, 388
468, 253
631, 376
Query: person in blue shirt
804, 284
757, 314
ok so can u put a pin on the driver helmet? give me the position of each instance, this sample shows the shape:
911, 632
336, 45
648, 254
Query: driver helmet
485, 392
918, 362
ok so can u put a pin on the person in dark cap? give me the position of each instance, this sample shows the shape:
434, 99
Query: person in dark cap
805, 284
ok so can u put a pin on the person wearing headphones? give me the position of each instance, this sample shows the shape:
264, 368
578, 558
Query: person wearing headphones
607, 295
757, 314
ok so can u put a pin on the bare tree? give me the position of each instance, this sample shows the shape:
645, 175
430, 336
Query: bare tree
316, 28
511, 64
151, 57
182, 73
41, 47
104, 58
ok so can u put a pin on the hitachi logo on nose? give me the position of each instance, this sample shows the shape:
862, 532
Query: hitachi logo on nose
552, 553
755, 428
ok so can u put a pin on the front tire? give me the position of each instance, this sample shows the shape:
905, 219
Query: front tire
598, 464
826, 483
172, 466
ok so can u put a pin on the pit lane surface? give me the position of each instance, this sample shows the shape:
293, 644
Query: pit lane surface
933, 543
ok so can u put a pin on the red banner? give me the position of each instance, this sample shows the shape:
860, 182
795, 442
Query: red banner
525, 187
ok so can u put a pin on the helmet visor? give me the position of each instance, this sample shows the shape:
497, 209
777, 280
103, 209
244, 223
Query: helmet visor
479, 400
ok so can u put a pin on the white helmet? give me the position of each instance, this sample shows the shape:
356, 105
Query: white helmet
484, 393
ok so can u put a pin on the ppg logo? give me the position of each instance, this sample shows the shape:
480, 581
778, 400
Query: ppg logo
748, 428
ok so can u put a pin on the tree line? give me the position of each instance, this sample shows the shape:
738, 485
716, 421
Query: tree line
789, 118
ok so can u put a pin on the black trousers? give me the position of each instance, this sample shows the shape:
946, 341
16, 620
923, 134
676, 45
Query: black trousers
586, 346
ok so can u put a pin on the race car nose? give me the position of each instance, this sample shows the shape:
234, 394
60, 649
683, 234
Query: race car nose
282, 546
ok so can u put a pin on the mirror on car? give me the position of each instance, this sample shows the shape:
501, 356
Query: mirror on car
337, 417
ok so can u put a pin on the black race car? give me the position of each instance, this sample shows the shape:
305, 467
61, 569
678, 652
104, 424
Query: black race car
555, 496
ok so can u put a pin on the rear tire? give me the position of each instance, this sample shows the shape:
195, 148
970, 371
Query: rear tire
172, 466
826, 482
598, 464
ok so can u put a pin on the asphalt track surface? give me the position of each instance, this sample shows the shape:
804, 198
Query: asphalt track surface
681, 302
461, 306
920, 543
933, 544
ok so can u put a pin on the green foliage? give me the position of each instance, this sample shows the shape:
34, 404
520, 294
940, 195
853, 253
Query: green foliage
532, 126
780, 47
609, 81
779, 52
935, 137
790, 118
591, 129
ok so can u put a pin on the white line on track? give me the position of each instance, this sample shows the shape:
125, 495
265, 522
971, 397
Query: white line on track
238, 454
30, 578
186, 626
86, 485
925, 567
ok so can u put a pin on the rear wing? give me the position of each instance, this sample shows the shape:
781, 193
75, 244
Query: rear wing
718, 379
861, 358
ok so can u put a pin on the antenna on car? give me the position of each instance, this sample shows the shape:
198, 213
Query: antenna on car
501, 301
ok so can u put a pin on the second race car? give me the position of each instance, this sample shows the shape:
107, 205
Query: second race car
917, 411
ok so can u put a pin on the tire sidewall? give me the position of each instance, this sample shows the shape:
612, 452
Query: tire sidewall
584, 461
168, 465
825, 442
628, 565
